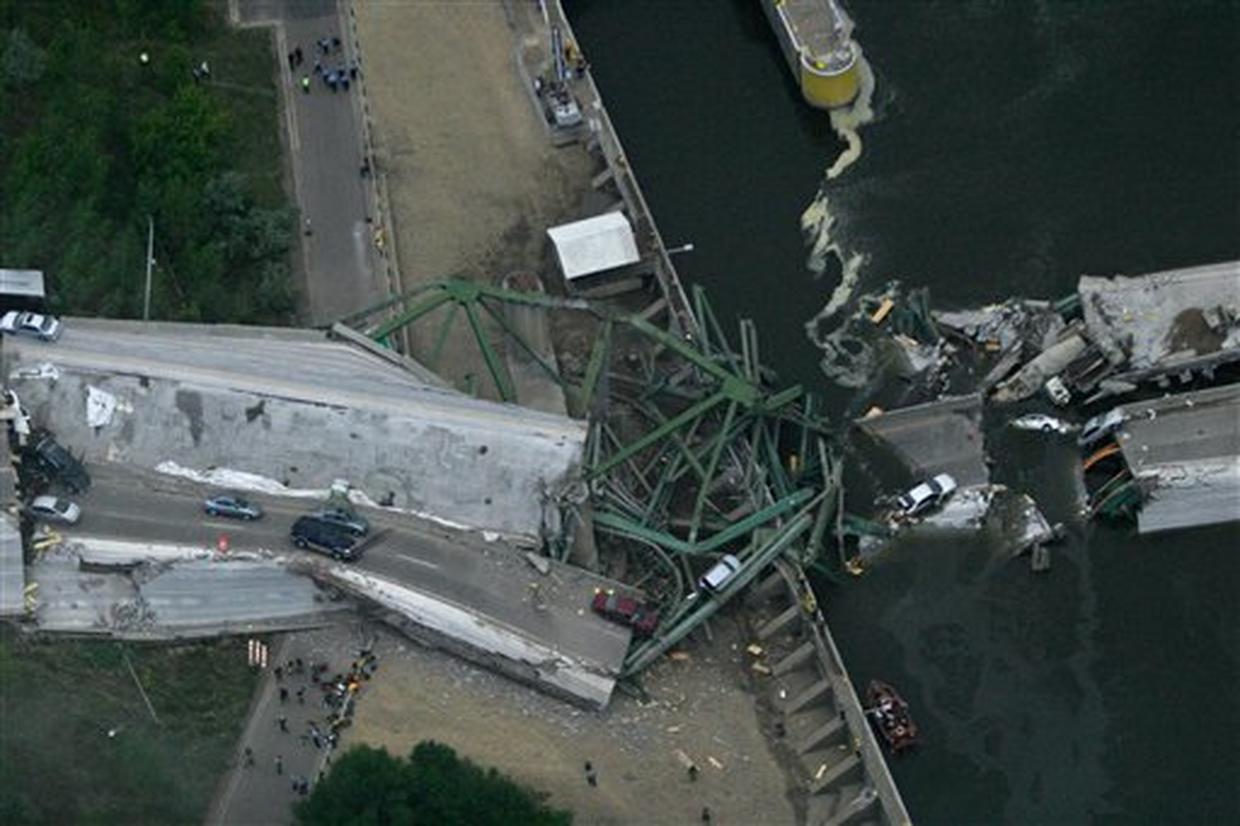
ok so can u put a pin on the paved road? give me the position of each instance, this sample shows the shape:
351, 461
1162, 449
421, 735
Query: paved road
488, 579
325, 142
258, 793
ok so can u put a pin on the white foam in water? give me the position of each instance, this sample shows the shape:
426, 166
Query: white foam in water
817, 223
817, 220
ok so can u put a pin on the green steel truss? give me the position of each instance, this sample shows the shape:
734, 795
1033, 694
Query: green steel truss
691, 453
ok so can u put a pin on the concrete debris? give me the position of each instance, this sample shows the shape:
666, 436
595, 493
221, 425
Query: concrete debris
965, 510
45, 370
1009, 327
540, 563
1167, 316
1040, 559
1021, 524
1034, 375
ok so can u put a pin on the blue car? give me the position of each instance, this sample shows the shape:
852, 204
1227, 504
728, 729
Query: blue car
232, 505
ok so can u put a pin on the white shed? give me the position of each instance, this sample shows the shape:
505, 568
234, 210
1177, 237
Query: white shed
594, 245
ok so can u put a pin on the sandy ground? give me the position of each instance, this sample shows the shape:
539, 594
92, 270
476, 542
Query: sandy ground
701, 705
472, 177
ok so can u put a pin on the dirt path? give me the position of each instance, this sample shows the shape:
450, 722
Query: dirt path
473, 179
701, 706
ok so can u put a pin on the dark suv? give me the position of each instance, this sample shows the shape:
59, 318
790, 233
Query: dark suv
313, 534
59, 464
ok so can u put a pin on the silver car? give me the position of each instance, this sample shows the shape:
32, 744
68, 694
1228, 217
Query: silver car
233, 505
45, 327
54, 509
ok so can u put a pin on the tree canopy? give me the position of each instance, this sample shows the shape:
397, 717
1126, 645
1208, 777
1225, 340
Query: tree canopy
94, 142
369, 787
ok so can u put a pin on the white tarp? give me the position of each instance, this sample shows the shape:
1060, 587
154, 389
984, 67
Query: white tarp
100, 405
594, 245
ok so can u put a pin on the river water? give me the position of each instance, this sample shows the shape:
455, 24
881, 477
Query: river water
1014, 147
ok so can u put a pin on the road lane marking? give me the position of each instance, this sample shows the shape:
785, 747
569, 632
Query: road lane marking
416, 561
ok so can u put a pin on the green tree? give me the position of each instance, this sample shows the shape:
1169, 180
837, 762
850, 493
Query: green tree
369, 787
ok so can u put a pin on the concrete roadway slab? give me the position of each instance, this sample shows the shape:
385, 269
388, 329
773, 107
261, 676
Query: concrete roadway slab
297, 407
176, 599
482, 594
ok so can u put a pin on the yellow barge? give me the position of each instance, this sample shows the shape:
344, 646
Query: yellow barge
815, 36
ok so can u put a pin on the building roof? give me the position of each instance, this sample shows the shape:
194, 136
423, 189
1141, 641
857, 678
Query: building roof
594, 245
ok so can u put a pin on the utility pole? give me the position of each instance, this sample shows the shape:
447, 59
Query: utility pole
150, 262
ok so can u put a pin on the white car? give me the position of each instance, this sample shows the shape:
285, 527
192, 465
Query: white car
55, 509
719, 574
1044, 423
44, 327
927, 495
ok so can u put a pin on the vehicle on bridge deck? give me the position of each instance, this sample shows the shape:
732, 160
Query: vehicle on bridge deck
626, 611
888, 712
309, 533
54, 509
51, 461
35, 325
346, 518
232, 505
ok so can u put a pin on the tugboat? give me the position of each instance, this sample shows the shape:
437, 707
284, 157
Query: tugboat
889, 714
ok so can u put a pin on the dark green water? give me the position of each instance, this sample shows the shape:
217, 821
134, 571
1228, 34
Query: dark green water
1016, 146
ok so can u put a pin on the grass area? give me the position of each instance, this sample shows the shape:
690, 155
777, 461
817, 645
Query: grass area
244, 77
105, 123
59, 699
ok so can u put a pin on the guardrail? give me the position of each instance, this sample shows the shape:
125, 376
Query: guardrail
595, 113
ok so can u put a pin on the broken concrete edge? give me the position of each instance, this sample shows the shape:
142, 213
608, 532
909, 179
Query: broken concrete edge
340, 332
483, 640
192, 633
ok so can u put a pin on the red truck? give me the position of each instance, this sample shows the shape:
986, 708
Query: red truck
625, 610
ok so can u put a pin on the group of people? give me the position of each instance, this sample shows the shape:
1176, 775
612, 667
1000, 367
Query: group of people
338, 691
336, 79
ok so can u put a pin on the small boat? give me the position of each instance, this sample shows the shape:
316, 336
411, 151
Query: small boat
889, 714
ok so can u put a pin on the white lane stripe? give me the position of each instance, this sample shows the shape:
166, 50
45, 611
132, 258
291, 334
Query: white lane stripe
416, 561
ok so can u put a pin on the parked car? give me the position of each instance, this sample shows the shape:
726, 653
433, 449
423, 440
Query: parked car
58, 464
718, 575
232, 505
36, 325
926, 496
346, 518
54, 509
312, 534
625, 610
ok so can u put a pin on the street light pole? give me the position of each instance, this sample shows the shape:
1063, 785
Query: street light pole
150, 262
